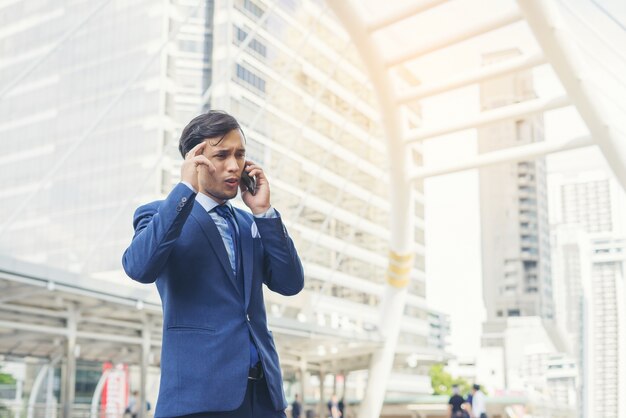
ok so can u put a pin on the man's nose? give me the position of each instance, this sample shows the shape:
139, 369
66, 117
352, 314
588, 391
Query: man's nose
231, 164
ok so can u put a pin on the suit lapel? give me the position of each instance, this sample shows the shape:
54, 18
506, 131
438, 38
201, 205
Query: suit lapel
246, 254
215, 239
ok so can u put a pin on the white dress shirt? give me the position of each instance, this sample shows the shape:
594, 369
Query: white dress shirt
222, 224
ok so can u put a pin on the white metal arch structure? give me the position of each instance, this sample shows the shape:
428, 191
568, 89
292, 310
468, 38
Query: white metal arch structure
401, 254
542, 18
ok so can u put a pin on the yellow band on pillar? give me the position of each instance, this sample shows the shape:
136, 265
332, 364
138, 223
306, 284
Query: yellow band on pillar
399, 270
401, 258
399, 283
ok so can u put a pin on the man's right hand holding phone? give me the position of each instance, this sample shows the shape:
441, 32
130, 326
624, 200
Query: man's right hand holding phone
260, 201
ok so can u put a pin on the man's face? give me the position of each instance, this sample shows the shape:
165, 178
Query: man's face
228, 157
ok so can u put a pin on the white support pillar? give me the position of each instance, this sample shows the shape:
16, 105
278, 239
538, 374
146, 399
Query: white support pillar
401, 252
321, 406
19, 391
551, 34
69, 380
303, 381
51, 403
146, 335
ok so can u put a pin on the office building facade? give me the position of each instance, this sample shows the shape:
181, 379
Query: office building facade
590, 244
513, 207
520, 333
111, 99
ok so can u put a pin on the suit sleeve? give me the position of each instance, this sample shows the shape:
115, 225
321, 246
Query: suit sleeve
157, 227
283, 272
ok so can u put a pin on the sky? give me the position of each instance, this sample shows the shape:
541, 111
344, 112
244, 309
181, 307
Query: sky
452, 213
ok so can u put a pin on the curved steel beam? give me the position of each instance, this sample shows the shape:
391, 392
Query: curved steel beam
401, 253
519, 153
97, 394
544, 20
34, 393
30, 412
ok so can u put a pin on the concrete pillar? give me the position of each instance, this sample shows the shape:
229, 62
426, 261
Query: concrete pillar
304, 377
69, 375
322, 404
343, 391
146, 335
50, 400
19, 392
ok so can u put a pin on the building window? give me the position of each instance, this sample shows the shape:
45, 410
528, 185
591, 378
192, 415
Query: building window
250, 78
255, 45
253, 8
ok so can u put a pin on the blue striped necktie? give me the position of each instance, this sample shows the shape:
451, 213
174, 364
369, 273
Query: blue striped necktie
225, 212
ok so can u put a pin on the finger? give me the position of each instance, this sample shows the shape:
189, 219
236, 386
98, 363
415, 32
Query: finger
256, 171
198, 149
202, 160
252, 166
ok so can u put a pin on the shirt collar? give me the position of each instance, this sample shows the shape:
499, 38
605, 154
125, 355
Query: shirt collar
208, 203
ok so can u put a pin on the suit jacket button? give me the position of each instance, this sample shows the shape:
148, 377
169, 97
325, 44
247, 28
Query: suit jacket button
184, 199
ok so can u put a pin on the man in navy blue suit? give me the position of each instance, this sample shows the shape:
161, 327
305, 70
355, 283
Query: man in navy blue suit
210, 261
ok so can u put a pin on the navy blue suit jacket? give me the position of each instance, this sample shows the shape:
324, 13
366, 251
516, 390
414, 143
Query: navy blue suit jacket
207, 322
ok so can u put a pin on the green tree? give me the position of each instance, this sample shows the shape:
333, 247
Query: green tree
442, 381
6, 379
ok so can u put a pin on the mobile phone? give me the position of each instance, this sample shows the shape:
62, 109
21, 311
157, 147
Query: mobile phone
248, 181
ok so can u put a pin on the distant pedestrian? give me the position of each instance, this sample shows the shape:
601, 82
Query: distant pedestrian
133, 405
333, 407
296, 408
479, 402
468, 406
455, 404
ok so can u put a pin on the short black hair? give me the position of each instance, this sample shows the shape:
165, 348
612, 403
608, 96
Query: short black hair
213, 124
476, 386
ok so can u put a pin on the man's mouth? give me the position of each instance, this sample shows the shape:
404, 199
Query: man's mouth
233, 181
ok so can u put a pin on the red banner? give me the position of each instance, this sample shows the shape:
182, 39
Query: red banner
115, 391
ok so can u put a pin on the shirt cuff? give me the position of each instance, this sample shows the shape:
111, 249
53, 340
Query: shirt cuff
190, 186
270, 213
